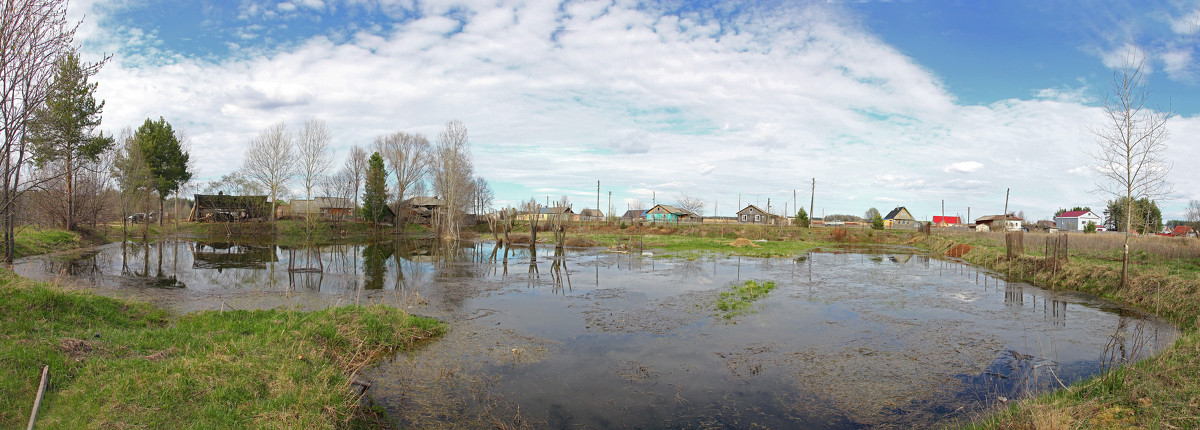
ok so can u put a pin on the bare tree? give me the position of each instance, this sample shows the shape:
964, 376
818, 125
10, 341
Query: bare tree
34, 34
234, 183
1131, 143
1193, 212
315, 156
133, 177
340, 185
690, 203
635, 205
483, 195
408, 156
356, 165
452, 176
271, 162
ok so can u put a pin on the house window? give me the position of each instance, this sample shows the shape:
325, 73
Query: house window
743, 217
757, 218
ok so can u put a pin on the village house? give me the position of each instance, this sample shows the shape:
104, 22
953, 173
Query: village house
1183, 231
1076, 220
590, 215
900, 218
992, 223
547, 213
323, 207
668, 213
420, 210
753, 215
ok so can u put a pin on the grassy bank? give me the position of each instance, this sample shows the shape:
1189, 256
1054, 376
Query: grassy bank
120, 364
1160, 392
33, 240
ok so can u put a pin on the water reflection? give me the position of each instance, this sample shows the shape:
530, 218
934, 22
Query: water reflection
597, 339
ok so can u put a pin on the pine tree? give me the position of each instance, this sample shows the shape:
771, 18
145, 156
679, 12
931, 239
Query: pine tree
62, 129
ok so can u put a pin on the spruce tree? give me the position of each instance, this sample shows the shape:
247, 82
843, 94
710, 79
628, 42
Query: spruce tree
375, 190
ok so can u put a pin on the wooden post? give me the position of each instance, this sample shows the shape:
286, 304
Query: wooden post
37, 402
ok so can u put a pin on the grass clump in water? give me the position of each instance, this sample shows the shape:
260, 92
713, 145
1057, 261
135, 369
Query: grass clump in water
737, 300
120, 364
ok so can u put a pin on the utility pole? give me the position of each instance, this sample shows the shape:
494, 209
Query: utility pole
610, 214
943, 210
811, 198
1004, 217
739, 201
653, 198
793, 203
597, 195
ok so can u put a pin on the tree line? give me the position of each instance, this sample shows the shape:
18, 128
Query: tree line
56, 168
277, 157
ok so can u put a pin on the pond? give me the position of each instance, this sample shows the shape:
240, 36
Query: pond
848, 339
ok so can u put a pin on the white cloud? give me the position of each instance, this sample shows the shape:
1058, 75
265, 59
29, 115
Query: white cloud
644, 103
1187, 23
1178, 64
963, 167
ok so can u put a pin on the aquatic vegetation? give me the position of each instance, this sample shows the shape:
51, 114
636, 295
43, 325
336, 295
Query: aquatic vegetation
737, 300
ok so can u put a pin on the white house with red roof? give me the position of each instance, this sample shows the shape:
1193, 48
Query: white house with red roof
1076, 220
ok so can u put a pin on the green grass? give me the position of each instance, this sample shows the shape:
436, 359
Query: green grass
122, 364
738, 299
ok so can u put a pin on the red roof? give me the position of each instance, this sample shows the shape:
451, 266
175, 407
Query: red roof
1073, 214
945, 219
1181, 230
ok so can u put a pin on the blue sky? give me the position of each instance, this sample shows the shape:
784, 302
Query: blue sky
884, 103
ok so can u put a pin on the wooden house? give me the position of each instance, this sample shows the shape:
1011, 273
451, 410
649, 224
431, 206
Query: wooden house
591, 215
221, 207
753, 215
420, 210
668, 213
900, 218
323, 207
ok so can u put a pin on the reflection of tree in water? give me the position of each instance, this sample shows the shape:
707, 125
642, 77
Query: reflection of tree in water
86, 266
375, 257
159, 278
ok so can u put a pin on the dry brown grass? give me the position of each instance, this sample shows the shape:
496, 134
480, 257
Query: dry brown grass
1102, 245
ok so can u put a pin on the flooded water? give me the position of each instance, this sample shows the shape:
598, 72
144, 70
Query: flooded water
871, 338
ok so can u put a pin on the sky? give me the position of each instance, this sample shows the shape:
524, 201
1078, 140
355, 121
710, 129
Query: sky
904, 103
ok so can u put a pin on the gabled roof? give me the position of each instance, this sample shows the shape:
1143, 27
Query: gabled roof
672, 210
751, 207
555, 210
633, 213
1181, 230
591, 212
896, 212
1075, 214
